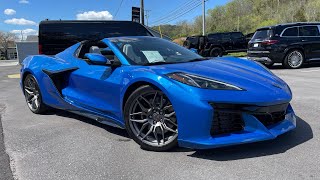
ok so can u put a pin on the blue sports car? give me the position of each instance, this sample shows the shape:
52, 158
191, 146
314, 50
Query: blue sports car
163, 94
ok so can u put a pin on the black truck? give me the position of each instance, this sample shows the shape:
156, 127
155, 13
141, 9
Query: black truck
218, 44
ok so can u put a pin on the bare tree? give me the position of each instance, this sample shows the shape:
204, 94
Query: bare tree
5, 39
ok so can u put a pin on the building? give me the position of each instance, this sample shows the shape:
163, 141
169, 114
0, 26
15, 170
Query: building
27, 48
12, 52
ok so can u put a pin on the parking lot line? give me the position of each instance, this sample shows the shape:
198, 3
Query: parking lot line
312, 70
14, 76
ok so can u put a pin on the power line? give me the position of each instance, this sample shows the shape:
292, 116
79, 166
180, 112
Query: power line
181, 8
182, 14
115, 14
178, 14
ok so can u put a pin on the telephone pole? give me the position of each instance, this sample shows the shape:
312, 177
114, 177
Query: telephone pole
147, 16
142, 12
204, 17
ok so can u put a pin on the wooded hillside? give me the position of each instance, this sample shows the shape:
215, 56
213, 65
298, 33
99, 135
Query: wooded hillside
246, 16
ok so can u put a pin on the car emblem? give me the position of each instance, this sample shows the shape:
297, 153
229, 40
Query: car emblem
276, 85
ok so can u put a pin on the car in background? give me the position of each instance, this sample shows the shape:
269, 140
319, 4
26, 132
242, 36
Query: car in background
290, 44
57, 35
218, 44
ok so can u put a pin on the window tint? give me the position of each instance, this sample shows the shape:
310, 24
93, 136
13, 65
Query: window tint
214, 36
291, 32
262, 34
236, 35
226, 37
55, 37
308, 31
193, 40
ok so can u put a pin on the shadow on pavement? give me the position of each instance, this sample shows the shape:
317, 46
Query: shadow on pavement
113, 130
281, 144
305, 66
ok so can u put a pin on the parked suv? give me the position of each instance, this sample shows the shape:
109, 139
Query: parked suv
218, 44
290, 44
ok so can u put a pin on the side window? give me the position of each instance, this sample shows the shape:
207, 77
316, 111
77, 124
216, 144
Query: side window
291, 32
308, 31
226, 37
214, 36
236, 35
192, 40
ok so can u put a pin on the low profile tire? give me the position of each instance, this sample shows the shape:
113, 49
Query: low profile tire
150, 119
216, 52
33, 95
294, 59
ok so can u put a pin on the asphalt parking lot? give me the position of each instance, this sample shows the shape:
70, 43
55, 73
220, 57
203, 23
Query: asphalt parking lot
61, 145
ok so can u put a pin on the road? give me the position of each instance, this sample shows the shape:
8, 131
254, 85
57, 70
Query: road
61, 145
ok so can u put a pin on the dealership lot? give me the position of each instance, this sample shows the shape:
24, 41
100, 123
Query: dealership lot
61, 145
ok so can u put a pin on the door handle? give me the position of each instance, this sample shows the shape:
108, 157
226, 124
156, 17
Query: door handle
303, 40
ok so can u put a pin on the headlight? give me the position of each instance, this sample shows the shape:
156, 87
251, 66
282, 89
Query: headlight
202, 82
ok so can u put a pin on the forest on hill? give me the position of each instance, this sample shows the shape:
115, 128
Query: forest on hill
246, 16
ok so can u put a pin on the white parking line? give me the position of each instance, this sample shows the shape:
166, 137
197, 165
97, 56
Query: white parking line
312, 70
2, 64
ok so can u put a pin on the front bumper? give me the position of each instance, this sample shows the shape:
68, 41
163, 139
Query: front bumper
254, 130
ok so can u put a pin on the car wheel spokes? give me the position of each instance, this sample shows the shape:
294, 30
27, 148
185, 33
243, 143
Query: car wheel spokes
152, 119
295, 59
32, 94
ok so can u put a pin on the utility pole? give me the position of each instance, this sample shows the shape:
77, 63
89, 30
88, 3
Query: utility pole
204, 18
147, 16
142, 11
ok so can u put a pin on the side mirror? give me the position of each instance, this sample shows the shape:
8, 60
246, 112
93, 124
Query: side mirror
194, 50
96, 58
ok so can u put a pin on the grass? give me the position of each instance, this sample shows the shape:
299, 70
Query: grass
238, 54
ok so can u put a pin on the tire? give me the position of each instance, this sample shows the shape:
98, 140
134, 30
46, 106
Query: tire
187, 44
148, 119
216, 52
294, 59
33, 95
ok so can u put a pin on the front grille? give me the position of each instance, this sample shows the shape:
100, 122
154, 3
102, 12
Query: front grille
227, 119
269, 119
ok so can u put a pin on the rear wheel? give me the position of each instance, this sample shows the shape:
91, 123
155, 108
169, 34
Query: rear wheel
150, 119
294, 59
215, 52
33, 95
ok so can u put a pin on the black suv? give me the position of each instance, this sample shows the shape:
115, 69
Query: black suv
290, 44
218, 44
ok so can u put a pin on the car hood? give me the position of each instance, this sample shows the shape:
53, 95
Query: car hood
245, 74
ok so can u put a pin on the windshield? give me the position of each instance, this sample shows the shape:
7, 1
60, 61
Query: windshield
263, 34
152, 51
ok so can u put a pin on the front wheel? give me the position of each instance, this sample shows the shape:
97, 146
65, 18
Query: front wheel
150, 119
294, 59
